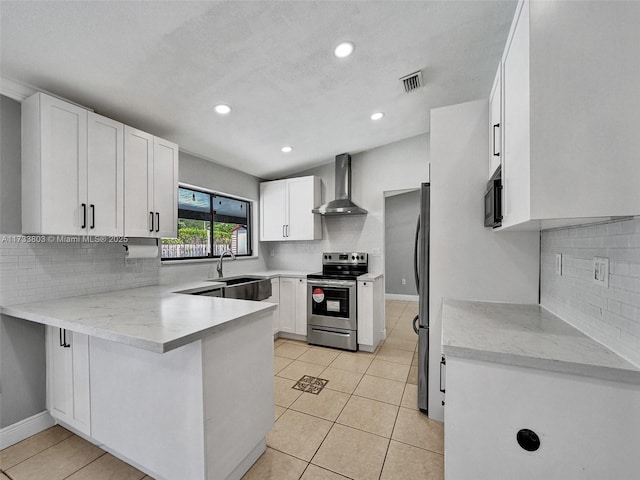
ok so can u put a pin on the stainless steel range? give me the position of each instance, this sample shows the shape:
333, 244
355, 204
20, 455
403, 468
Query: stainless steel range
332, 317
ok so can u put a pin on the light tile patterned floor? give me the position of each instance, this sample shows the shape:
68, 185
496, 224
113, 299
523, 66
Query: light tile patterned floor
364, 425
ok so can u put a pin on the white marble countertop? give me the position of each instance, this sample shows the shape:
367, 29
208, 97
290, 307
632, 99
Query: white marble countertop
527, 336
282, 273
152, 318
369, 277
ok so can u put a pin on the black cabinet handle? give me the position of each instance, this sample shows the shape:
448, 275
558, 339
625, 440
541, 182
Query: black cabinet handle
415, 324
443, 364
84, 215
151, 229
283, 231
63, 338
497, 125
93, 216
157, 222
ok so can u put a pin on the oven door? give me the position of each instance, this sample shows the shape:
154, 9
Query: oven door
332, 304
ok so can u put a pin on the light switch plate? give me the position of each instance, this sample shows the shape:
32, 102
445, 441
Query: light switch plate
558, 264
601, 271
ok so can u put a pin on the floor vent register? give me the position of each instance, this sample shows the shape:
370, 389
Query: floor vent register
311, 384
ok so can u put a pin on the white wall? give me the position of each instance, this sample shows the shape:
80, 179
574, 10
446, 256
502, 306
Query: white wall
467, 260
396, 166
609, 315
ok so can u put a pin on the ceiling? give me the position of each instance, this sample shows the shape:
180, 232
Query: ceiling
161, 66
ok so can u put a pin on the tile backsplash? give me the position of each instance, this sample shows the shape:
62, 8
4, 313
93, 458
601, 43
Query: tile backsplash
610, 315
42, 271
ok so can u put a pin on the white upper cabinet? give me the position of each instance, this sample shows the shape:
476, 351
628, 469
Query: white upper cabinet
273, 210
570, 113
85, 174
105, 195
150, 185
54, 167
165, 187
495, 123
285, 209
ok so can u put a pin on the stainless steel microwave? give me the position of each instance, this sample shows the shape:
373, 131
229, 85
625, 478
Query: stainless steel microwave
493, 201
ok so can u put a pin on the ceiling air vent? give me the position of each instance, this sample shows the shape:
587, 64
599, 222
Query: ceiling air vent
412, 82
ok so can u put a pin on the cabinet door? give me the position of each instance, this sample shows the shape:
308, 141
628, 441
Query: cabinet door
287, 306
300, 199
516, 172
495, 125
139, 215
105, 154
69, 397
63, 167
301, 306
365, 313
165, 188
80, 380
275, 298
60, 388
273, 210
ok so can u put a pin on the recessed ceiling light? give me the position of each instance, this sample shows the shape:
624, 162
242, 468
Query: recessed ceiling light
344, 49
286, 149
222, 109
377, 116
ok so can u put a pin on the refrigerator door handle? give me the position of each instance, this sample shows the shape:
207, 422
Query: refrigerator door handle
415, 257
415, 324
443, 373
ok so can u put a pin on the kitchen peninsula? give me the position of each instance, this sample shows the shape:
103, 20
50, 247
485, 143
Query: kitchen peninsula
527, 392
178, 385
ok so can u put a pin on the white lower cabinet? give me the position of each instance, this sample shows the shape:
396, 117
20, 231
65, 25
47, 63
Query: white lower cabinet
68, 396
587, 427
275, 298
370, 313
293, 305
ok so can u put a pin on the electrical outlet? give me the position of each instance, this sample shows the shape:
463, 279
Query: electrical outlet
404, 281
601, 271
376, 252
558, 264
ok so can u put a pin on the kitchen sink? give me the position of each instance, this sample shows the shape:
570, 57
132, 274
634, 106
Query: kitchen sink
246, 288
237, 280
243, 288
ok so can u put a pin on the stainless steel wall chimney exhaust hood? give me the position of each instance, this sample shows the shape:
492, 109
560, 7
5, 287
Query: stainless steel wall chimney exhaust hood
342, 205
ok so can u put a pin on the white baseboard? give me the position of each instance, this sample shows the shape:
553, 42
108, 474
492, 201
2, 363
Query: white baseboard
290, 336
18, 431
404, 298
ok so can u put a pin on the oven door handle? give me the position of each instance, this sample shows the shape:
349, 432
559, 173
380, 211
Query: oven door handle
341, 334
332, 283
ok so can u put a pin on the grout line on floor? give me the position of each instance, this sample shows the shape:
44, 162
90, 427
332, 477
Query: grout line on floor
86, 465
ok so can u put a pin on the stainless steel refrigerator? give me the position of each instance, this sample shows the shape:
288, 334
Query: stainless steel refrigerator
421, 321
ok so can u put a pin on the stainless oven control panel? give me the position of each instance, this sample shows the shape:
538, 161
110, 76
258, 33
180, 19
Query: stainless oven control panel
345, 258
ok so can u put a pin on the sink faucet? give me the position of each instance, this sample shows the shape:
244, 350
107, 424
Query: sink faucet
219, 267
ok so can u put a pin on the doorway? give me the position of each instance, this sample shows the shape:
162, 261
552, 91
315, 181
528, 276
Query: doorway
401, 210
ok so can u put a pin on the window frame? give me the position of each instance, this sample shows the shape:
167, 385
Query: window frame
212, 194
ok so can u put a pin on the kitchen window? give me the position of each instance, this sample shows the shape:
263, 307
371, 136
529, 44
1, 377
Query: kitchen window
209, 224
